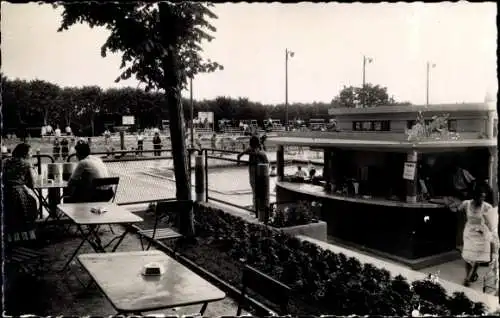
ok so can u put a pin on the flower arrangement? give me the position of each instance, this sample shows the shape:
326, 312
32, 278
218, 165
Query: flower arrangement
287, 215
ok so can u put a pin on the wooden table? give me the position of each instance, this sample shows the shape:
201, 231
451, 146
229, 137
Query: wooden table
119, 277
54, 196
80, 214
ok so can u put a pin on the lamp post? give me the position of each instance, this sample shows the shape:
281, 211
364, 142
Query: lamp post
192, 109
429, 66
287, 54
369, 60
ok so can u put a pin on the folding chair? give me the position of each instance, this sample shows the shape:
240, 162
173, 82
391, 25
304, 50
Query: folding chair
102, 182
264, 285
165, 210
28, 260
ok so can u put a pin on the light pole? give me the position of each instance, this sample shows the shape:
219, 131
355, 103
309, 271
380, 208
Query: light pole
287, 53
192, 109
369, 60
429, 66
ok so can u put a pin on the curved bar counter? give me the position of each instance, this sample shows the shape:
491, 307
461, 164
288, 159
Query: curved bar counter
404, 231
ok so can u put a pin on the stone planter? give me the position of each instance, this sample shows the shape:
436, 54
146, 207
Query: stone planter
317, 230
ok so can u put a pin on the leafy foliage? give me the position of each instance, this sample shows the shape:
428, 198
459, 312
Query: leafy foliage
136, 32
286, 215
368, 96
333, 282
68, 105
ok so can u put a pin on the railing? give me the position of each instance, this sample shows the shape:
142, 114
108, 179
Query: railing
213, 158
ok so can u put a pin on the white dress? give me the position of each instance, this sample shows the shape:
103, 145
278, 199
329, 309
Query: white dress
477, 233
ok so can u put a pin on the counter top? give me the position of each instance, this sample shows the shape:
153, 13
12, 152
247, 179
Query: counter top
319, 191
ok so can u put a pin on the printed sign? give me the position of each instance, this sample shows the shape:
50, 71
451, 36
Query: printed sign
409, 171
209, 116
128, 120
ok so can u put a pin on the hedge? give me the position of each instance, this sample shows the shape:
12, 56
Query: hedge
341, 285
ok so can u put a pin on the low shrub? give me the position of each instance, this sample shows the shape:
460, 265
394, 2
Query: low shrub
333, 281
286, 215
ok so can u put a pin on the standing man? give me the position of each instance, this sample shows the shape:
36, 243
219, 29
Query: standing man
140, 143
256, 156
69, 132
263, 139
157, 144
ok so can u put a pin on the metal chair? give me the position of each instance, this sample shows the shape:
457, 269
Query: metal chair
165, 210
105, 182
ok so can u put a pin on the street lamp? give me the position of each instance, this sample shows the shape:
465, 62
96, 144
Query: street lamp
369, 60
192, 109
429, 66
287, 54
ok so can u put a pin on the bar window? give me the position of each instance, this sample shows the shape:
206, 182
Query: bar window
377, 126
367, 125
452, 125
356, 125
386, 125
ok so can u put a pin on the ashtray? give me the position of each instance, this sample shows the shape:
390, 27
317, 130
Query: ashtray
98, 210
153, 269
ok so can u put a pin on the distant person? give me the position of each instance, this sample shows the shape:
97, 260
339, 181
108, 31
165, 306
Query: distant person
233, 144
57, 132
56, 149
273, 172
49, 131
198, 142
222, 144
64, 148
157, 144
140, 143
107, 136
300, 173
256, 156
43, 131
20, 206
89, 167
69, 132
213, 141
263, 139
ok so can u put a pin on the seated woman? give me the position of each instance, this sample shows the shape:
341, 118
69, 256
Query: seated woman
20, 206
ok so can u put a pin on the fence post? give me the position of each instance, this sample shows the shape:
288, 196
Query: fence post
262, 192
122, 139
39, 162
206, 174
199, 178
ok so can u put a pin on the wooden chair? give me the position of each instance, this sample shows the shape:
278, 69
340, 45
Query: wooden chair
266, 286
169, 210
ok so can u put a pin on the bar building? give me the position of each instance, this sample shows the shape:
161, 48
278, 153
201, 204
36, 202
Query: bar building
386, 185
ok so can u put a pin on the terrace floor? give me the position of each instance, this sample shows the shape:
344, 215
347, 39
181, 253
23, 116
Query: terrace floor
62, 294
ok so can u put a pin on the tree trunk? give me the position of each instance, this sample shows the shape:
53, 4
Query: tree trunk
172, 86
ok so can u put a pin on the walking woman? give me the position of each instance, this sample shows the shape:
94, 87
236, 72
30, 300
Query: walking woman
20, 206
256, 156
477, 232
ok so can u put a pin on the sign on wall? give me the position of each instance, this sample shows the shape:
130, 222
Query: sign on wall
128, 120
409, 171
209, 116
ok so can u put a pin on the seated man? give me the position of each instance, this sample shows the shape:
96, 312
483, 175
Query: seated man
300, 173
80, 183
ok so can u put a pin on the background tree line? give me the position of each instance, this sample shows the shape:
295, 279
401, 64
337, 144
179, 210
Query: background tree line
35, 103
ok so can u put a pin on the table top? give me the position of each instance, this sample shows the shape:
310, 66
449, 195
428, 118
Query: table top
46, 185
80, 213
119, 275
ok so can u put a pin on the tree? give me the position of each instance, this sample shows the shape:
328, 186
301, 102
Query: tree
161, 47
369, 96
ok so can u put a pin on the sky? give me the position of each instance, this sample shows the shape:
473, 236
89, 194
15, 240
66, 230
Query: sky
329, 41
